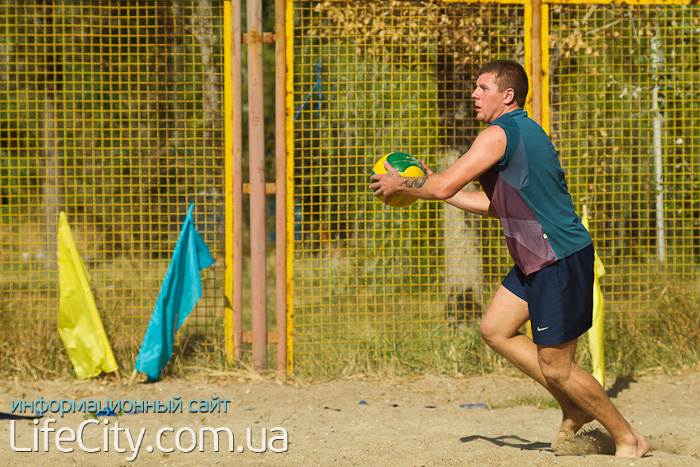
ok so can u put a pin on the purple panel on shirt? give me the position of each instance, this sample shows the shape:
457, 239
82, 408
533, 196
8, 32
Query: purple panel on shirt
527, 242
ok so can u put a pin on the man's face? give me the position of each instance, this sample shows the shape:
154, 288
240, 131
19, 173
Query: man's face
489, 101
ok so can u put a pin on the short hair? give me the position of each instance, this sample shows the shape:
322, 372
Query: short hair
508, 74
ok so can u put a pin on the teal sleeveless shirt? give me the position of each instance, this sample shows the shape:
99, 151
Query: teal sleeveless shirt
528, 190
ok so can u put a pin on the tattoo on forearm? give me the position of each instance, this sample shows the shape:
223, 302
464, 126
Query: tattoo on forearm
416, 182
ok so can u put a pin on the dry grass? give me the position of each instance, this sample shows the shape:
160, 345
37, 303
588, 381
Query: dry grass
670, 341
666, 339
533, 400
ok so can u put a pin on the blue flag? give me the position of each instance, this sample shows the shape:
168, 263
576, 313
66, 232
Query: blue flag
179, 293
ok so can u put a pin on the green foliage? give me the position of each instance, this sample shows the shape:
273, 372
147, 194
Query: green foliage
365, 112
625, 98
135, 103
372, 78
18, 179
18, 166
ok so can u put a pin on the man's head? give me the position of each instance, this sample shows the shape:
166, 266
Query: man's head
500, 88
508, 74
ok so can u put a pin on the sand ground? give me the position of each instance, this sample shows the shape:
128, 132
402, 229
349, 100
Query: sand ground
360, 421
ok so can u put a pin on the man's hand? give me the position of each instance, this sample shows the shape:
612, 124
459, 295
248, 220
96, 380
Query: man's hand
388, 184
385, 185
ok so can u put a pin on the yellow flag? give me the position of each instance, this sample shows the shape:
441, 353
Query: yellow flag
79, 324
596, 333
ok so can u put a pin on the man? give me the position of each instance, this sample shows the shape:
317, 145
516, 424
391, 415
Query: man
551, 283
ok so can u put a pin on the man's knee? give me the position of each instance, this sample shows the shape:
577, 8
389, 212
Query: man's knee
489, 332
556, 368
553, 374
494, 333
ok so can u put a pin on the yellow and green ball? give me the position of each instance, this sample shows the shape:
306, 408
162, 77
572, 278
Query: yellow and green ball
407, 166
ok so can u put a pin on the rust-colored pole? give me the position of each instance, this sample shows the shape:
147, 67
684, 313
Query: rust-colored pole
229, 176
256, 130
281, 179
537, 61
237, 156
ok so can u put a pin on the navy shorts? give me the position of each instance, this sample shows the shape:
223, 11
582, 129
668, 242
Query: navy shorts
559, 297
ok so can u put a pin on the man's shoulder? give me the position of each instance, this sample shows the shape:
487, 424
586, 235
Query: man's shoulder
526, 126
515, 122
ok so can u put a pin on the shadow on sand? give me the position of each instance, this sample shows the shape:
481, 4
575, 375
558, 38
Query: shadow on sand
597, 442
510, 441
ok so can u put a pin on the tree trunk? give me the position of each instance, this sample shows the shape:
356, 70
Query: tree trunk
463, 263
52, 190
463, 256
203, 30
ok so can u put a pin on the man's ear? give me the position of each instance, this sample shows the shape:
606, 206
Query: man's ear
509, 96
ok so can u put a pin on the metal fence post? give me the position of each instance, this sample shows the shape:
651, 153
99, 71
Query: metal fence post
256, 126
537, 60
281, 194
233, 304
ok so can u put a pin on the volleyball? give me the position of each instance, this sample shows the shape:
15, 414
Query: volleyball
407, 166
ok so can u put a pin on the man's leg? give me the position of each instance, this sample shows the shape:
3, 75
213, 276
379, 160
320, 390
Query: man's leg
563, 373
500, 329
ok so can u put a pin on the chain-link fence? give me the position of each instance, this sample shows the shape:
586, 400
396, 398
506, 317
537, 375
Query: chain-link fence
620, 99
113, 112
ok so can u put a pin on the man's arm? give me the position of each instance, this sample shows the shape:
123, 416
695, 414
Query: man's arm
487, 149
475, 202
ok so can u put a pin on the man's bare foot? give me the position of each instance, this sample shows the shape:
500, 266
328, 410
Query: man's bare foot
636, 449
570, 444
573, 422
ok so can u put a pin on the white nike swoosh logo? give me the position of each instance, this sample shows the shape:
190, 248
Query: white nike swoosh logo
542, 329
